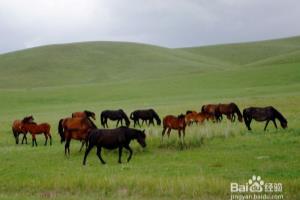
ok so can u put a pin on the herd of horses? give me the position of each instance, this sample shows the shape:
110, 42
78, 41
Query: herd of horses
80, 126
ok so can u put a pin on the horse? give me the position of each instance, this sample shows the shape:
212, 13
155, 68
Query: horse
74, 128
172, 122
213, 110
230, 110
35, 129
112, 139
85, 113
114, 115
263, 114
17, 129
190, 117
145, 115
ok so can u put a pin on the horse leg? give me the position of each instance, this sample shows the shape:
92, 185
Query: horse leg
169, 130
33, 137
163, 133
87, 151
24, 136
82, 144
179, 134
46, 136
120, 154
49, 134
266, 125
274, 122
248, 122
130, 152
121, 122
99, 154
67, 147
117, 123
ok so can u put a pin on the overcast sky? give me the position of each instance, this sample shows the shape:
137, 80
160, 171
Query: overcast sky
169, 23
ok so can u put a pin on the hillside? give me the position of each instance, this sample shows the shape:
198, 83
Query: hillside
109, 62
253, 53
93, 62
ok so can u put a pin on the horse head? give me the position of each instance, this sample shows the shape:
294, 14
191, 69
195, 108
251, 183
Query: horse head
90, 114
141, 137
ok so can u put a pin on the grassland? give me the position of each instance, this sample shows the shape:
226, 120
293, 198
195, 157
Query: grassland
51, 82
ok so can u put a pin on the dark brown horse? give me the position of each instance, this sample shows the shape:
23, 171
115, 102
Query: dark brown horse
74, 128
114, 115
17, 129
230, 110
112, 139
145, 115
172, 122
263, 114
85, 113
212, 109
36, 129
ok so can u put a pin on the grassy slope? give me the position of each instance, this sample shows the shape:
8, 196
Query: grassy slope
104, 75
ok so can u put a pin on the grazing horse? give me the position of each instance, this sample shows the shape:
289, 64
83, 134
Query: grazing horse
263, 114
17, 129
85, 113
172, 122
145, 115
112, 139
35, 129
114, 115
230, 110
190, 117
74, 128
213, 110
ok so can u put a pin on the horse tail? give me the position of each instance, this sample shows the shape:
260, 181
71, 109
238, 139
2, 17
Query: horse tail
203, 109
102, 119
132, 115
61, 130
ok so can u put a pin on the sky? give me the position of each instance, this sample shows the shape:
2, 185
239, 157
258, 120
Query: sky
168, 23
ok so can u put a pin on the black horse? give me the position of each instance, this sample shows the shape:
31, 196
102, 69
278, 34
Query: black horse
115, 115
145, 115
263, 114
112, 139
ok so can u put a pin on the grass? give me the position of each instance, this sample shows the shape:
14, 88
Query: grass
53, 81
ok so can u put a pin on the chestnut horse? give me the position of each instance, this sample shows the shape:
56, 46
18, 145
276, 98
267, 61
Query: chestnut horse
17, 130
172, 122
198, 117
212, 109
230, 110
35, 129
85, 113
263, 114
74, 128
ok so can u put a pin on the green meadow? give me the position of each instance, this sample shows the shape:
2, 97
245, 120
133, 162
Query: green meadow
51, 82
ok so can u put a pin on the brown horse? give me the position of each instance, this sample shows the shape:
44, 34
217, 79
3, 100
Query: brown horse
74, 128
198, 117
190, 117
212, 109
172, 122
230, 110
17, 130
85, 113
36, 129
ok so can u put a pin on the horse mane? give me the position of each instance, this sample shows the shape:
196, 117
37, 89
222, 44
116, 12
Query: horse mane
181, 116
26, 119
124, 116
88, 113
92, 123
156, 117
238, 112
279, 115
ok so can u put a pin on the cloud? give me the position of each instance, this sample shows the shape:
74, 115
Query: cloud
168, 23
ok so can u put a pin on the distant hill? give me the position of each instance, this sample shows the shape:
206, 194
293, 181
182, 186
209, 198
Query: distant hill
106, 62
